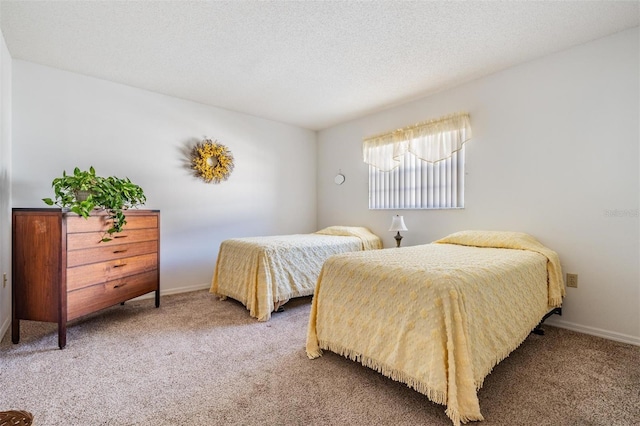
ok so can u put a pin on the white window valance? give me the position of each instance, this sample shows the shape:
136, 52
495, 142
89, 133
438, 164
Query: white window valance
431, 141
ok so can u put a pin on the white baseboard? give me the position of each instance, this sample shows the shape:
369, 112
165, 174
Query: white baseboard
186, 289
611, 335
5, 326
175, 290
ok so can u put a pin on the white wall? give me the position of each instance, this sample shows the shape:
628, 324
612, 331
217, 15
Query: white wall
5, 186
555, 152
62, 120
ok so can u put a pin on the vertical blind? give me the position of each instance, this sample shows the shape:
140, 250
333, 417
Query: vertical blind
417, 184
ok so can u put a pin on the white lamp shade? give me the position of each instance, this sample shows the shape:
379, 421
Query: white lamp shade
397, 224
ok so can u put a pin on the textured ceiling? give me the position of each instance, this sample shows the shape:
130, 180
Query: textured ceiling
312, 64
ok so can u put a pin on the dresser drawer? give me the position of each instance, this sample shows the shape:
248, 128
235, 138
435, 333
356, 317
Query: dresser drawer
109, 252
94, 273
90, 299
84, 240
98, 223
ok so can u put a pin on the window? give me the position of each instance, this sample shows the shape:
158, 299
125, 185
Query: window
419, 167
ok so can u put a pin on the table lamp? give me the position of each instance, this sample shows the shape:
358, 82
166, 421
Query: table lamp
397, 225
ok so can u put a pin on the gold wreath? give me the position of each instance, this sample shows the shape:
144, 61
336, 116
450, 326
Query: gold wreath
211, 161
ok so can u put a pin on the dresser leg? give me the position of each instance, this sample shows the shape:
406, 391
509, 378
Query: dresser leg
157, 298
62, 334
15, 330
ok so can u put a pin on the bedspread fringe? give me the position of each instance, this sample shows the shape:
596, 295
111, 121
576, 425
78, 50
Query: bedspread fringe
314, 353
436, 396
555, 302
456, 418
439, 397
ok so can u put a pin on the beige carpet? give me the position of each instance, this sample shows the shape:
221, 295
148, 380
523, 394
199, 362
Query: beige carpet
200, 361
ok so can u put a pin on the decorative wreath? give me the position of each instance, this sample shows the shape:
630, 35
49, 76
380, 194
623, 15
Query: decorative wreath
211, 161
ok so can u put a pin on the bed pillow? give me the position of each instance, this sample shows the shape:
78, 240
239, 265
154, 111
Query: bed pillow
497, 239
347, 231
518, 241
370, 241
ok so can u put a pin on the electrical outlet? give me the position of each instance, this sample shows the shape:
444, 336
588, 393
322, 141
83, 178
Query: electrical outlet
572, 280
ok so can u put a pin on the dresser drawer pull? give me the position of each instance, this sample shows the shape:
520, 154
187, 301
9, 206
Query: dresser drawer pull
119, 285
120, 236
120, 265
119, 251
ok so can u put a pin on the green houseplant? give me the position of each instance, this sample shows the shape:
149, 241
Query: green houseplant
84, 191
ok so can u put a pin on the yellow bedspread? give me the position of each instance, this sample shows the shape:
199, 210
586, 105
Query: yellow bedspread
437, 317
260, 272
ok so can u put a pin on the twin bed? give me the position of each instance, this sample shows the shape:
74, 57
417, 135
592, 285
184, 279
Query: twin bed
437, 317
263, 273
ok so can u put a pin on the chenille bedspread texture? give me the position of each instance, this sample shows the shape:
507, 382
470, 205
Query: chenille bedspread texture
437, 317
260, 272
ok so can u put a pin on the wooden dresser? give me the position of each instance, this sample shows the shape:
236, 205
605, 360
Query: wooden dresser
61, 270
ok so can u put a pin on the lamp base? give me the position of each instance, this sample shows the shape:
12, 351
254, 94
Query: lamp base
398, 238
